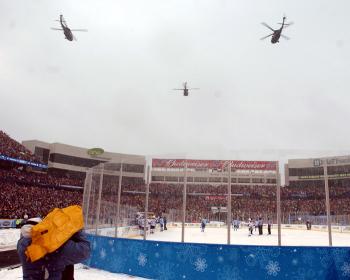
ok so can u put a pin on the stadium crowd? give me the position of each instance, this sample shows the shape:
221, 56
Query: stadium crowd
33, 193
11, 148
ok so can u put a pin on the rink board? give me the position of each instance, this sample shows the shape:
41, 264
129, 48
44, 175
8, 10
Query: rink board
173, 260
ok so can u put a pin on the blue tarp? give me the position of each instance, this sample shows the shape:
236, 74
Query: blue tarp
172, 260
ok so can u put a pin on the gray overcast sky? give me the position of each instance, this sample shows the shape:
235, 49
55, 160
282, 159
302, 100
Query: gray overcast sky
112, 87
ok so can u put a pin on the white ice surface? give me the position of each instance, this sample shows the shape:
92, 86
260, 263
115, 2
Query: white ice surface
289, 237
8, 238
80, 273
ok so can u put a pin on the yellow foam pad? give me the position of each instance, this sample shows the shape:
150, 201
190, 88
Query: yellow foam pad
56, 228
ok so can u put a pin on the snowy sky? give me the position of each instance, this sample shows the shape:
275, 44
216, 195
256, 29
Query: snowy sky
112, 88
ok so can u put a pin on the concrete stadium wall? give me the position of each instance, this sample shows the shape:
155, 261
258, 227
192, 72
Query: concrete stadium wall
172, 260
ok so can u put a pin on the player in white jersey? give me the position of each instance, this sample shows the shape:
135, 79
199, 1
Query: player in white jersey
152, 225
250, 227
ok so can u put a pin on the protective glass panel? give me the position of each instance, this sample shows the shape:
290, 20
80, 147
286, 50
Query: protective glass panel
91, 199
206, 212
165, 211
304, 219
132, 206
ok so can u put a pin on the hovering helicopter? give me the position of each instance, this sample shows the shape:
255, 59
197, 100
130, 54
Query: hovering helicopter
278, 32
185, 89
67, 31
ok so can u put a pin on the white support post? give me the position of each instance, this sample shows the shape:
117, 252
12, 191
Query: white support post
146, 204
99, 199
278, 183
86, 197
184, 194
328, 207
119, 195
229, 199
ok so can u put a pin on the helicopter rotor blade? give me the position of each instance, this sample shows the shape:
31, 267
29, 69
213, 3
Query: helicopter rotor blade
263, 38
83, 30
285, 37
286, 24
178, 89
192, 88
53, 28
269, 27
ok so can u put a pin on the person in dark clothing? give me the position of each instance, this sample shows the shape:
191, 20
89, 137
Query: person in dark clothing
68, 272
260, 226
269, 226
52, 265
165, 221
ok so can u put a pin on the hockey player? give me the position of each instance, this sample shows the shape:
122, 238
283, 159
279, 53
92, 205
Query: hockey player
269, 226
165, 221
235, 225
152, 225
256, 224
260, 226
203, 223
250, 227
161, 223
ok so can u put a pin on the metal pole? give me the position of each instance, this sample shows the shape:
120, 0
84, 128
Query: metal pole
184, 193
87, 191
119, 195
99, 199
146, 204
278, 182
328, 207
229, 198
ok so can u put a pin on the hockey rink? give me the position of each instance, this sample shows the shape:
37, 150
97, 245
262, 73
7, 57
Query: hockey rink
289, 237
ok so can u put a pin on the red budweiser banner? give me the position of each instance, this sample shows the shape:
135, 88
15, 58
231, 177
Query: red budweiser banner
214, 164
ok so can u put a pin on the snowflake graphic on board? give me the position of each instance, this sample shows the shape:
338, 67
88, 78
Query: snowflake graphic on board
103, 253
200, 264
346, 269
262, 255
189, 252
304, 274
142, 259
339, 255
250, 260
273, 268
165, 270
229, 273
307, 258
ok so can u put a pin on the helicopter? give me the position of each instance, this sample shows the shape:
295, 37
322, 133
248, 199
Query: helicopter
66, 30
185, 89
278, 32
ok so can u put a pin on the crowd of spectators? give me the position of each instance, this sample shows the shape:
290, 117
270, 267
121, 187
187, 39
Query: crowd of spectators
29, 192
20, 199
11, 148
36, 178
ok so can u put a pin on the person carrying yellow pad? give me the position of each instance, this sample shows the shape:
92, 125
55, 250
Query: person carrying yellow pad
47, 246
